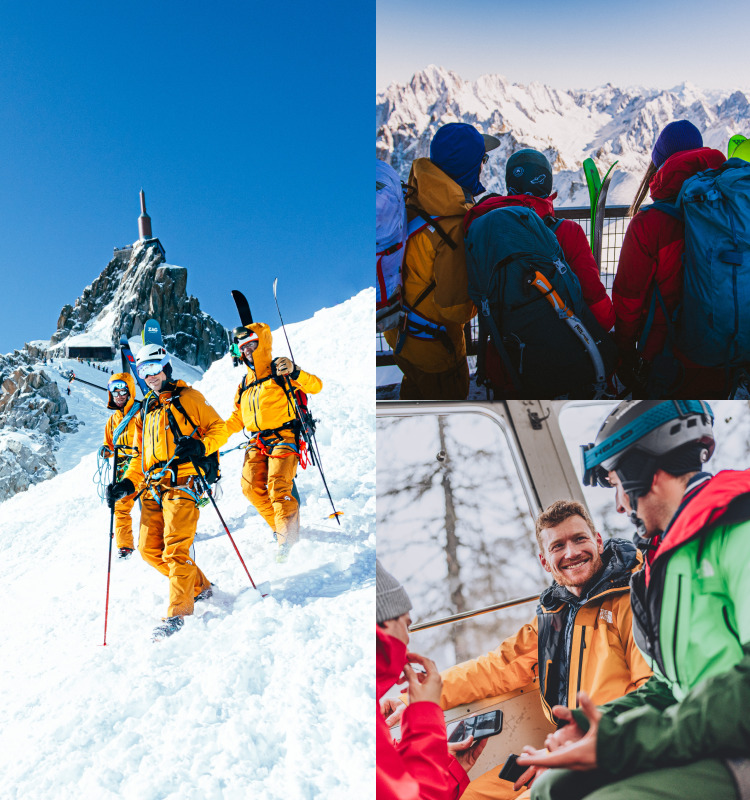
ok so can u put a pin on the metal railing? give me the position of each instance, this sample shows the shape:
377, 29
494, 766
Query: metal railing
615, 224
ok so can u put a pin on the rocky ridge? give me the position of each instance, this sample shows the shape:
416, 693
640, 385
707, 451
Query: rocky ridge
137, 285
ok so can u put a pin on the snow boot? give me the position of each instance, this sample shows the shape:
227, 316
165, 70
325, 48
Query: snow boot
125, 552
282, 555
169, 625
205, 594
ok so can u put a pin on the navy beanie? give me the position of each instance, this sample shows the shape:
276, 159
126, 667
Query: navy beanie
677, 136
457, 149
528, 172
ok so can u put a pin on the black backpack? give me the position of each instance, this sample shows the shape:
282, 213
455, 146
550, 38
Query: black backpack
532, 310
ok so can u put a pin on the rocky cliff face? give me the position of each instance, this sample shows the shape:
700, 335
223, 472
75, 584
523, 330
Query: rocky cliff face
32, 415
135, 286
607, 124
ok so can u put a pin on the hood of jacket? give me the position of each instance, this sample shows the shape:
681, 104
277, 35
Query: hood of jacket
668, 180
542, 205
128, 378
435, 192
261, 363
620, 558
390, 659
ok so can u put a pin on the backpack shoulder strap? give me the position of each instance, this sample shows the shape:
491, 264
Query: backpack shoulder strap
178, 405
433, 221
552, 223
668, 208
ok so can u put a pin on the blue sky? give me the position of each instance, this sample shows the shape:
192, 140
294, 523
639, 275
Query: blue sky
567, 44
247, 125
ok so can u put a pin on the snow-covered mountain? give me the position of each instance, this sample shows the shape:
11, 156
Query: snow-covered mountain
266, 698
607, 124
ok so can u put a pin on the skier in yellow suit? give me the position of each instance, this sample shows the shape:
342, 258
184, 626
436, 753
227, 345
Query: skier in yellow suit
264, 406
176, 428
121, 398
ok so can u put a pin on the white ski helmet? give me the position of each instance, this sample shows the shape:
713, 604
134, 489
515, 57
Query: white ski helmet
152, 354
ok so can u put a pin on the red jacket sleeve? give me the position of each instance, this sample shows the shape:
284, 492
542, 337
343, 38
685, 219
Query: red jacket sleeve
575, 247
651, 250
419, 767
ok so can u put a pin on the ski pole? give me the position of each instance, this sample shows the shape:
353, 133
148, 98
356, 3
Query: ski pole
80, 380
111, 537
283, 327
312, 442
309, 436
211, 496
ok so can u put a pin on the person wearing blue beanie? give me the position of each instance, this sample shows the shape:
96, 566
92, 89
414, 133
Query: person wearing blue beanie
459, 149
677, 136
430, 350
652, 257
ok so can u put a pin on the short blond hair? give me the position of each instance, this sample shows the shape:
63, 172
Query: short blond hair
558, 512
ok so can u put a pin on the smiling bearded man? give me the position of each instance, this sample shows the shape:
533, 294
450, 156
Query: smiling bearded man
580, 638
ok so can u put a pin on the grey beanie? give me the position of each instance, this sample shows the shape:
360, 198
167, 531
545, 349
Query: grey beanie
391, 600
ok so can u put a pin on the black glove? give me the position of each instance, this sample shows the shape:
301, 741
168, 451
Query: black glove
119, 490
190, 448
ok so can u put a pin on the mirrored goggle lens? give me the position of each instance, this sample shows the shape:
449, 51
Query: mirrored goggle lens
150, 368
248, 345
120, 392
118, 386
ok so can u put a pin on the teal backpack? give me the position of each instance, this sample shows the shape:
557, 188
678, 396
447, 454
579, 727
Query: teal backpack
532, 309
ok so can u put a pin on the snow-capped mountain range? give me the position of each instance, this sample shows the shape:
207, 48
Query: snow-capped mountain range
607, 124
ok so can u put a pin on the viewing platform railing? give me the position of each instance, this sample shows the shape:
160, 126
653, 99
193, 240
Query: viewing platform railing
615, 224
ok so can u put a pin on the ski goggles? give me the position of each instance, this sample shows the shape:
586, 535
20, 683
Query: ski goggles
248, 346
118, 387
149, 368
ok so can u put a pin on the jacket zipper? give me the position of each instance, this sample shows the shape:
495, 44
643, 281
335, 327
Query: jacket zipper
580, 659
676, 628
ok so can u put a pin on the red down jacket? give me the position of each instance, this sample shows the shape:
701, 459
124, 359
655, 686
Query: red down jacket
419, 767
573, 242
652, 252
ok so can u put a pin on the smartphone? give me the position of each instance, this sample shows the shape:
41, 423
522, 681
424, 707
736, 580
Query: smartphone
511, 771
480, 727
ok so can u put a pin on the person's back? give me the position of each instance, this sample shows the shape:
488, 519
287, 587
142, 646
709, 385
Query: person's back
431, 350
651, 257
548, 359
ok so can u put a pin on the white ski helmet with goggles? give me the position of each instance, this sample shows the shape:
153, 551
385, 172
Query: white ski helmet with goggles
641, 436
151, 359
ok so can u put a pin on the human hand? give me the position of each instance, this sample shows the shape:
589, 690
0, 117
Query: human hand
577, 753
392, 709
424, 686
568, 733
188, 447
528, 777
283, 366
119, 490
467, 752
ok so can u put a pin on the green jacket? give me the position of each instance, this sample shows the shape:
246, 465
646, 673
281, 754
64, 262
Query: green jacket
691, 619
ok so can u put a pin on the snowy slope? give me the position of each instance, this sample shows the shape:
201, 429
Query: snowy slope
252, 698
607, 123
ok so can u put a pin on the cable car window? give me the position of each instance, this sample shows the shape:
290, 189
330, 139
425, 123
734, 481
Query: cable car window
455, 526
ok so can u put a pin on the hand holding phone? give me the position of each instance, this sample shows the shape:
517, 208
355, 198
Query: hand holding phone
480, 727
